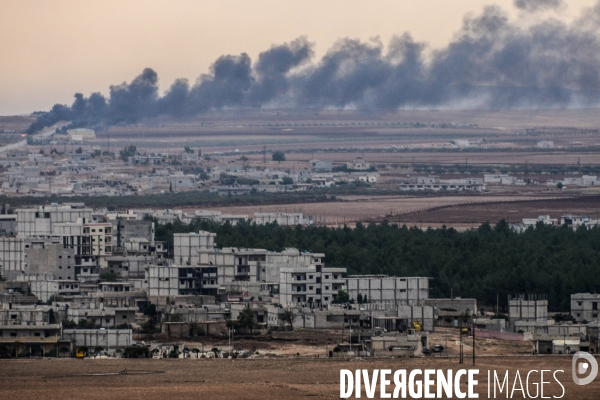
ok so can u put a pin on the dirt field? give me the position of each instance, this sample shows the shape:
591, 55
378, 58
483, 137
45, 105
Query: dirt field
284, 378
457, 211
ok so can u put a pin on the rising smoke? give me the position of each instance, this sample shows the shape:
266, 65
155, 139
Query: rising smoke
491, 63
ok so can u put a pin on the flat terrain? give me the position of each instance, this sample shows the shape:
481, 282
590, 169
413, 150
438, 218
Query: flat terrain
435, 210
280, 378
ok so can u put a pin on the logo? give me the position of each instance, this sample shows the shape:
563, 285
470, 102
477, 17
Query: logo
580, 368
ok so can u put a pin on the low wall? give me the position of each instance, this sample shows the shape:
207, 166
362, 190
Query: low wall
500, 335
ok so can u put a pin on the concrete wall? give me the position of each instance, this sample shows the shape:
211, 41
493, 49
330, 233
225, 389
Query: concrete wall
11, 256
110, 339
390, 291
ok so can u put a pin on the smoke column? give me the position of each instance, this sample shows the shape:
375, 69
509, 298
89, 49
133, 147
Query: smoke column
491, 63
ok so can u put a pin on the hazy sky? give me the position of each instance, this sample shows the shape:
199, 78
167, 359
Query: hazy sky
50, 49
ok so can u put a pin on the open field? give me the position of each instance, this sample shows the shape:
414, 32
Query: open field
456, 211
282, 378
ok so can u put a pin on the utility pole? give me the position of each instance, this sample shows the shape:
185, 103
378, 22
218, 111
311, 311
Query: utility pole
473, 327
350, 325
460, 341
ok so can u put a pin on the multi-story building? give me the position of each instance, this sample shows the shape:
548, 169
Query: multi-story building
530, 308
314, 285
40, 220
584, 306
388, 291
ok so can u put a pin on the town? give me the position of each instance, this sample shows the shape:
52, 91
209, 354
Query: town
80, 282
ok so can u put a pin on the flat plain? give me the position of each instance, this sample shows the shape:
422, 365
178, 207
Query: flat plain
277, 378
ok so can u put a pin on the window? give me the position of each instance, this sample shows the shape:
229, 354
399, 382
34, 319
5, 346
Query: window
326, 276
311, 277
37, 334
13, 334
326, 298
595, 305
335, 277
326, 287
579, 303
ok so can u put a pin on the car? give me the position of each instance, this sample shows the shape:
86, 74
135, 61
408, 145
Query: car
427, 352
438, 348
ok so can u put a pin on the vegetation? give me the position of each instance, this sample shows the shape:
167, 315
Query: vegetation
278, 156
127, 152
479, 263
245, 320
341, 297
108, 276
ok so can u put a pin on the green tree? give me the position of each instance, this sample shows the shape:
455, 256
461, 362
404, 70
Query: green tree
287, 180
278, 156
341, 297
245, 320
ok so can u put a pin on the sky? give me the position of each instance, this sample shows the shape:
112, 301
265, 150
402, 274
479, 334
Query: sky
51, 49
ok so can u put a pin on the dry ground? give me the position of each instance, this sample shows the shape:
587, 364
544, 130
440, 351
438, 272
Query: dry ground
282, 378
456, 211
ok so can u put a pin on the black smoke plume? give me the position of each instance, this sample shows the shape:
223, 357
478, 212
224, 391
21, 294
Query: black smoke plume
491, 63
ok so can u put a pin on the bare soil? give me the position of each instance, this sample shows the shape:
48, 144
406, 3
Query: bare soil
279, 378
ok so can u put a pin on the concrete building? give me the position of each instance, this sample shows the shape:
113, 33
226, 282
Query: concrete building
434, 183
282, 218
109, 339
310, 285
388, 291
11, 256
527, 308
584, 306
321, 165
40, 220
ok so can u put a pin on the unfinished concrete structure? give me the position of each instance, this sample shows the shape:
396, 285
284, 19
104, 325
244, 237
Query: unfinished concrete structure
584, 306
527, 308
40, 220
281, 218
388, 291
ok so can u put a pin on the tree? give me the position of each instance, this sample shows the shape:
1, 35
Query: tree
188, 150
245, 319
288, 316
278, 156
559, 185
108, 276
341, 297
287, 180
359, 299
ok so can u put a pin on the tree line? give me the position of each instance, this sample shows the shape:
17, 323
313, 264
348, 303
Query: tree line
480, 263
